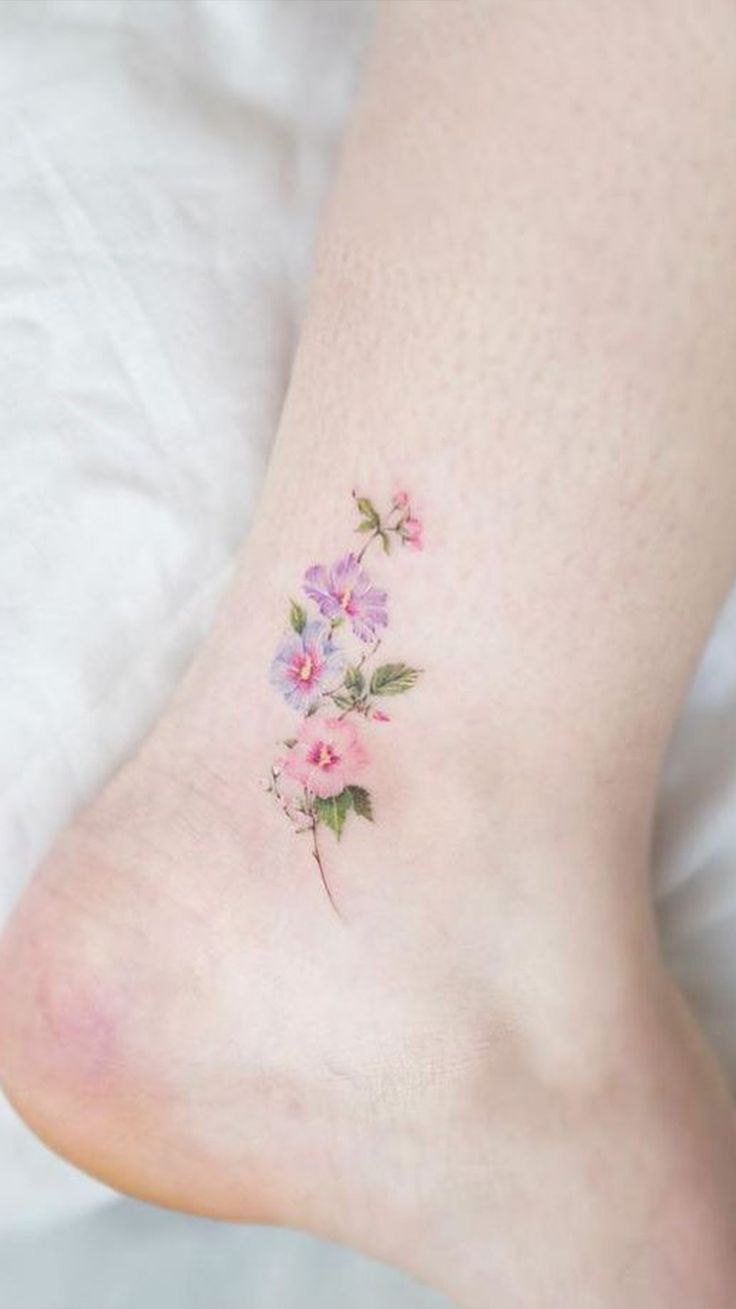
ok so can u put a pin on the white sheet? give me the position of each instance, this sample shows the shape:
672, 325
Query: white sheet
161, 166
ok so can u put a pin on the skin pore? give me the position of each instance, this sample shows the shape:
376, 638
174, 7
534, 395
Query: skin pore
524, 311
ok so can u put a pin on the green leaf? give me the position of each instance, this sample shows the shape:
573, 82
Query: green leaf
334, 811
386, 542
368, 510
366, 526
297, 617
342, 701
354, 681
362, 803
393, 679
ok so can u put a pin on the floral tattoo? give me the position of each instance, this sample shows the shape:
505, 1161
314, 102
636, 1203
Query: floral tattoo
327, 671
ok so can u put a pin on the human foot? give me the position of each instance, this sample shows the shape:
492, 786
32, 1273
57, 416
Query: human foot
446, 1075
480, 1071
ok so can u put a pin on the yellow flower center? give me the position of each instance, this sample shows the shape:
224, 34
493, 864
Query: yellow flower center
326, 756
307, 668
345, 599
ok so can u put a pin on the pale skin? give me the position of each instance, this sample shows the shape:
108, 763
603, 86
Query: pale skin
524, 309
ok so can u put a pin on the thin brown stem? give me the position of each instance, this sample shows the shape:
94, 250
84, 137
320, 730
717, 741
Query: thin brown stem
370, 541
320, 865
368, 654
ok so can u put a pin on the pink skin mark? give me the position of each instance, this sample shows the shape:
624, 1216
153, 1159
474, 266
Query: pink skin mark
81, 1030
70, 1033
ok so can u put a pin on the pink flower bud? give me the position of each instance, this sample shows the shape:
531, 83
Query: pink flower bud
401, 500
413, 533
379, 716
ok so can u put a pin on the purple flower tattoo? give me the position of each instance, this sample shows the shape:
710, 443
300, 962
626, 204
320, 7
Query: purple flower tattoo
345, 591
307, 666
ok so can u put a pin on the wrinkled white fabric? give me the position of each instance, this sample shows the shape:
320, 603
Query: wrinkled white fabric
161, 167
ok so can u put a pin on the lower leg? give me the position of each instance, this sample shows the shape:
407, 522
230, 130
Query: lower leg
524, 312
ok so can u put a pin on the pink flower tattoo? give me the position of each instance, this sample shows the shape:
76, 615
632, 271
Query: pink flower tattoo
327, 756
325, 669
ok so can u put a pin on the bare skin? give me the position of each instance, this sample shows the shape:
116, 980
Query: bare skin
525, 310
